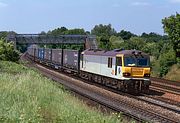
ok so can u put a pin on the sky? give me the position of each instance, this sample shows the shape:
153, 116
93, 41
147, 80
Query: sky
34, 16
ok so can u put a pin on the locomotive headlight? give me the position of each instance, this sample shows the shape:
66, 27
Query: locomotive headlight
147, 75
126, 74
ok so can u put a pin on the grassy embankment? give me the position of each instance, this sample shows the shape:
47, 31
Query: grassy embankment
27, 96
174, 73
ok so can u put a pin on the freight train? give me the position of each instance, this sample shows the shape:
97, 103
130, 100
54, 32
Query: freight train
124, 70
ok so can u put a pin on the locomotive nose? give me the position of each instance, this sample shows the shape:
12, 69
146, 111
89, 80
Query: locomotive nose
137, 72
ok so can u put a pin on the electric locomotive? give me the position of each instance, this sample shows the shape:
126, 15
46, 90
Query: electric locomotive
126, 70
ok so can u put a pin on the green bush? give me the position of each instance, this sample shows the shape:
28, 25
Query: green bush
166, 60
178, 61
7, 52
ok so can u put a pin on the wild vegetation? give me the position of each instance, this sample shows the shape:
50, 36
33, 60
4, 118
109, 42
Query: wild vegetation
27, 96
7, 52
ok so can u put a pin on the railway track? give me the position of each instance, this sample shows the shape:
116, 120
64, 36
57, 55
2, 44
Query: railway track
148, 98
160, 102
165, 85
124, 106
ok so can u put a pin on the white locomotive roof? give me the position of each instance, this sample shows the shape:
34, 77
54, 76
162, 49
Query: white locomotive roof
112, 52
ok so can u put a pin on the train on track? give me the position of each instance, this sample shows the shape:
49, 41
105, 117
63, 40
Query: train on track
124, 70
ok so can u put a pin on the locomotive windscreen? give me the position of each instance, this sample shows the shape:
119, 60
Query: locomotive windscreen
136, 61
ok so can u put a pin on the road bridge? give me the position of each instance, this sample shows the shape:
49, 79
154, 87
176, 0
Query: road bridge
89, 41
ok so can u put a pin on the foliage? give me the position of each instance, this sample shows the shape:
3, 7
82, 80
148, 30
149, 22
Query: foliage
65, 31
171, 26
103, 30
104, 42
153, 37
136, 43
173, 73
21, 47
75, 32
125, 35
3, 34
58, 31
116, 42
43, 33
151, 49
7, 51
28, 97
166, 60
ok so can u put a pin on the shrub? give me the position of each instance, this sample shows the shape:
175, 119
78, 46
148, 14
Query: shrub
7, 52
166, 60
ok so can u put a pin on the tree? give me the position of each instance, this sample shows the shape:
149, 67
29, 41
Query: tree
88, 33
103, 30
136, 43
153, 37
58, 31
144, 35
125, 35
171, 26
65, 31
151, 48
103, 33
43, 33
104, 42
3, 34
116, 43
75, 32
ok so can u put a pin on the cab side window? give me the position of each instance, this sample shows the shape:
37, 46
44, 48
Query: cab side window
109, 62
82, 59
119, 61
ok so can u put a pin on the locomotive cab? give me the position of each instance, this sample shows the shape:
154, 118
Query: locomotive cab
136, 66
136, 70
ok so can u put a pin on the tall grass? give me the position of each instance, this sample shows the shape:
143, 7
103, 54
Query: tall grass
26, 96
174, 73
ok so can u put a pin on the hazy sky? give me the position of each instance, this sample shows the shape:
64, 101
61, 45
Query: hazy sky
137, 16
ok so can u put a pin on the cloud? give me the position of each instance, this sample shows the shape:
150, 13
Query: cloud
140, 4
3, 4
174, 1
